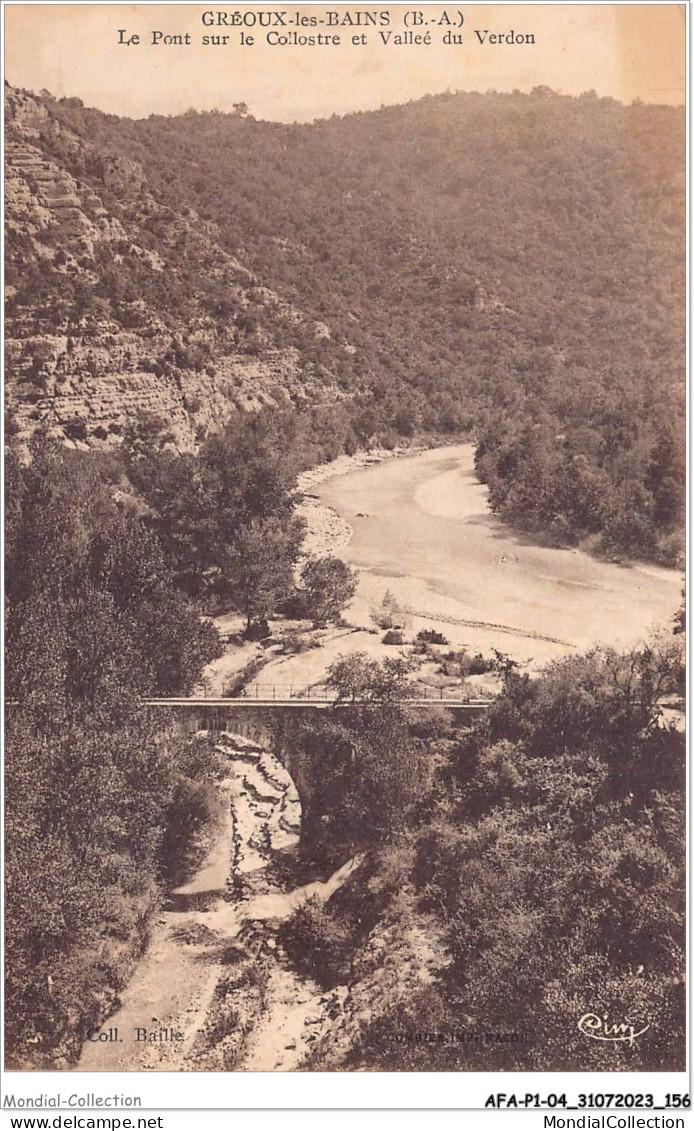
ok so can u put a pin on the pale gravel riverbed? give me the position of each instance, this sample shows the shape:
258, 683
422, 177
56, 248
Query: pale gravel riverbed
418, 524
421, 527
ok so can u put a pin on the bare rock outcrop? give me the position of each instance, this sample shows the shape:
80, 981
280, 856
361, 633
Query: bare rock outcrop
106, 319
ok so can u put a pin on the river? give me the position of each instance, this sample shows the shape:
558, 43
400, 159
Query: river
421, 527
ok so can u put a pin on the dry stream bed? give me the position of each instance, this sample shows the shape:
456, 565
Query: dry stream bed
213, 989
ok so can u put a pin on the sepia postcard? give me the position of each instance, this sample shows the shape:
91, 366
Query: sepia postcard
345, 476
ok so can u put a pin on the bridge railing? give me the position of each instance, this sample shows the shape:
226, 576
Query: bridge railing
291, 691
282, 691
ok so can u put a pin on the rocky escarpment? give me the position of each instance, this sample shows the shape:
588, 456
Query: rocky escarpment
118, 307
398, 961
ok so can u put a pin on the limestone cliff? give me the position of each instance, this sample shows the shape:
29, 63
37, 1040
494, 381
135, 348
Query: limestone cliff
119, 307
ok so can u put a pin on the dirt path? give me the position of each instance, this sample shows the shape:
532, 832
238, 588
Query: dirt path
172, 994
173, 982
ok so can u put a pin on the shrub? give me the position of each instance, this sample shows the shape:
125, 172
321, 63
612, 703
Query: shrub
461, 664
389, 613
430, 724
297, 642
258, 630
76, 428
317, 943
327, 586
393, 636
476, 665
430, 636
354, 678
191, 812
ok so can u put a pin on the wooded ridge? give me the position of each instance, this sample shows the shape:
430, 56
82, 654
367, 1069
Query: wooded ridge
503, 264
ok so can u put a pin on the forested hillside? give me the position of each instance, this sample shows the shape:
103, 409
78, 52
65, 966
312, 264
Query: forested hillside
503, 264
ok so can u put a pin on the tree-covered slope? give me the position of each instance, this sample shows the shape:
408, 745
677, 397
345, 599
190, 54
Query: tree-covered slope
519, 875
505, 263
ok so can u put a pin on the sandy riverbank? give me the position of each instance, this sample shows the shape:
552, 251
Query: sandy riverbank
327, 531
417, 523
422, 528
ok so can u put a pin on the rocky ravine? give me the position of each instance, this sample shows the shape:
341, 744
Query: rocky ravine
213, 989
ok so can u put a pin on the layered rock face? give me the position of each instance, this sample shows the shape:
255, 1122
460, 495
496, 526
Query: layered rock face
119, 308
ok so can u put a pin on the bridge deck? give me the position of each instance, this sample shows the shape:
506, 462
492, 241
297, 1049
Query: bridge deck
316, 704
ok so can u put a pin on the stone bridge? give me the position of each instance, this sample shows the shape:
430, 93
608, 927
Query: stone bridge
258, 716
273, 723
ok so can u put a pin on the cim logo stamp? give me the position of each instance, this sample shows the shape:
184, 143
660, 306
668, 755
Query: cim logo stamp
599, 1029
